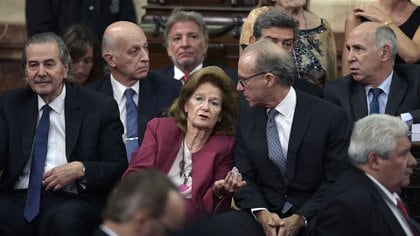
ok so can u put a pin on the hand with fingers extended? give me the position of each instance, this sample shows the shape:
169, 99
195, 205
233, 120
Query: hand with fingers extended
230, 184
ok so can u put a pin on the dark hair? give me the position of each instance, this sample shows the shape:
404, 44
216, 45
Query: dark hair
48, 37
274, 18
78, 38
146, 189
178, 15
230, 103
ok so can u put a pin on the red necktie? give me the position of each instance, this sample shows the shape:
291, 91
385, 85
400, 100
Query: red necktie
404, 211
185, 78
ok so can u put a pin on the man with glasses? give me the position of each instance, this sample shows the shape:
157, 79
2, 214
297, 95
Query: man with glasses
186, 40
290, 146
282, 29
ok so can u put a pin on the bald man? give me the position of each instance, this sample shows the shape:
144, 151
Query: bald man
125, 49
372, 48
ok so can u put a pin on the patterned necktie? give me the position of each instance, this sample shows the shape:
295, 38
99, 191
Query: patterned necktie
374, 104
404, 211
131, 140
39, 154
275, 152
185, 77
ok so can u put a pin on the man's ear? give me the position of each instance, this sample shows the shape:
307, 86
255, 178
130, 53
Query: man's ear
252, 39
386, 52
109, 59
373, 161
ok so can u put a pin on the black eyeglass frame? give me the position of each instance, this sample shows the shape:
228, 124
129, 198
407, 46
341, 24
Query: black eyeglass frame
243, 82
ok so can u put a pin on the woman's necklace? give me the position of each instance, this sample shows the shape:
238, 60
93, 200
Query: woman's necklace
182, 171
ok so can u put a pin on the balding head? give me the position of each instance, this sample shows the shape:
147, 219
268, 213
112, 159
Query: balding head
125, 49
372, 49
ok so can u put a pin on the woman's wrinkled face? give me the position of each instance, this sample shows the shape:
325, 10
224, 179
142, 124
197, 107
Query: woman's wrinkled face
204, 107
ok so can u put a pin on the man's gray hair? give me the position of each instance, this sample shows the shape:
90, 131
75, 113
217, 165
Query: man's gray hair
386, 36
270, 57
179, 15
48, 37
147, 189
377, 133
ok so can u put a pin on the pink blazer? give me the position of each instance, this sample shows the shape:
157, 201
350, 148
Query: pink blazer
212, 162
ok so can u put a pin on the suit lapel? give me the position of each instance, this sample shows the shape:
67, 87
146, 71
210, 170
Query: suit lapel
358, 101
146, 103
380, 202
299, 126
73, 118
258, 121
29, 120
396, 95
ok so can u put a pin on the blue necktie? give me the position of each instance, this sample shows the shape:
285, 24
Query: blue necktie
131, 141
39, 154
374, 104
275, 152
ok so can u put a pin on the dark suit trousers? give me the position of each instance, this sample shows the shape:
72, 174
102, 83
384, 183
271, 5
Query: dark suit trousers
61, 213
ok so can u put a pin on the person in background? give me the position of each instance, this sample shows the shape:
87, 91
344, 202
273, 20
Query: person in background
141, 95
314, 50
61, 148
56, 15
375, 84
402, 16
145, 203
290, 147
277, 26
186, 40
85, 54
194, 146
365, 200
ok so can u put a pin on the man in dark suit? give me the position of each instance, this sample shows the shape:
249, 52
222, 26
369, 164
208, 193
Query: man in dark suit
372, 49
364, 201
289, 160
277, 26
125, 49
61, 149
143, 204
186, 40
56, 15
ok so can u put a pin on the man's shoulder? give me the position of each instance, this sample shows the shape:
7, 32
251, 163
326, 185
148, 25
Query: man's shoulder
86, 95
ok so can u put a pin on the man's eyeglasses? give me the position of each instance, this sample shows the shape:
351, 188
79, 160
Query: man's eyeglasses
243, 82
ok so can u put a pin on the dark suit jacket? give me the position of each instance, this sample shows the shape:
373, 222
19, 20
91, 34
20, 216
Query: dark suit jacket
212, 162
354, 206
93, 136
99, 232
317, 153
155, 97
168, 73
56, 15
404, 94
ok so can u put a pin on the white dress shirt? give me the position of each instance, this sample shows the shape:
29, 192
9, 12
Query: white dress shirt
118, 91
56, 150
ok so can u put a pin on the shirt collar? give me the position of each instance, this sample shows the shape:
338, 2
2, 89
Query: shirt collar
178, 74
288, 104
57, 104
385, 85
392, 197
118, 89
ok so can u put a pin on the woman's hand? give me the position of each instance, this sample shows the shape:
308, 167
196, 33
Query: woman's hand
232, 183
372, 13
